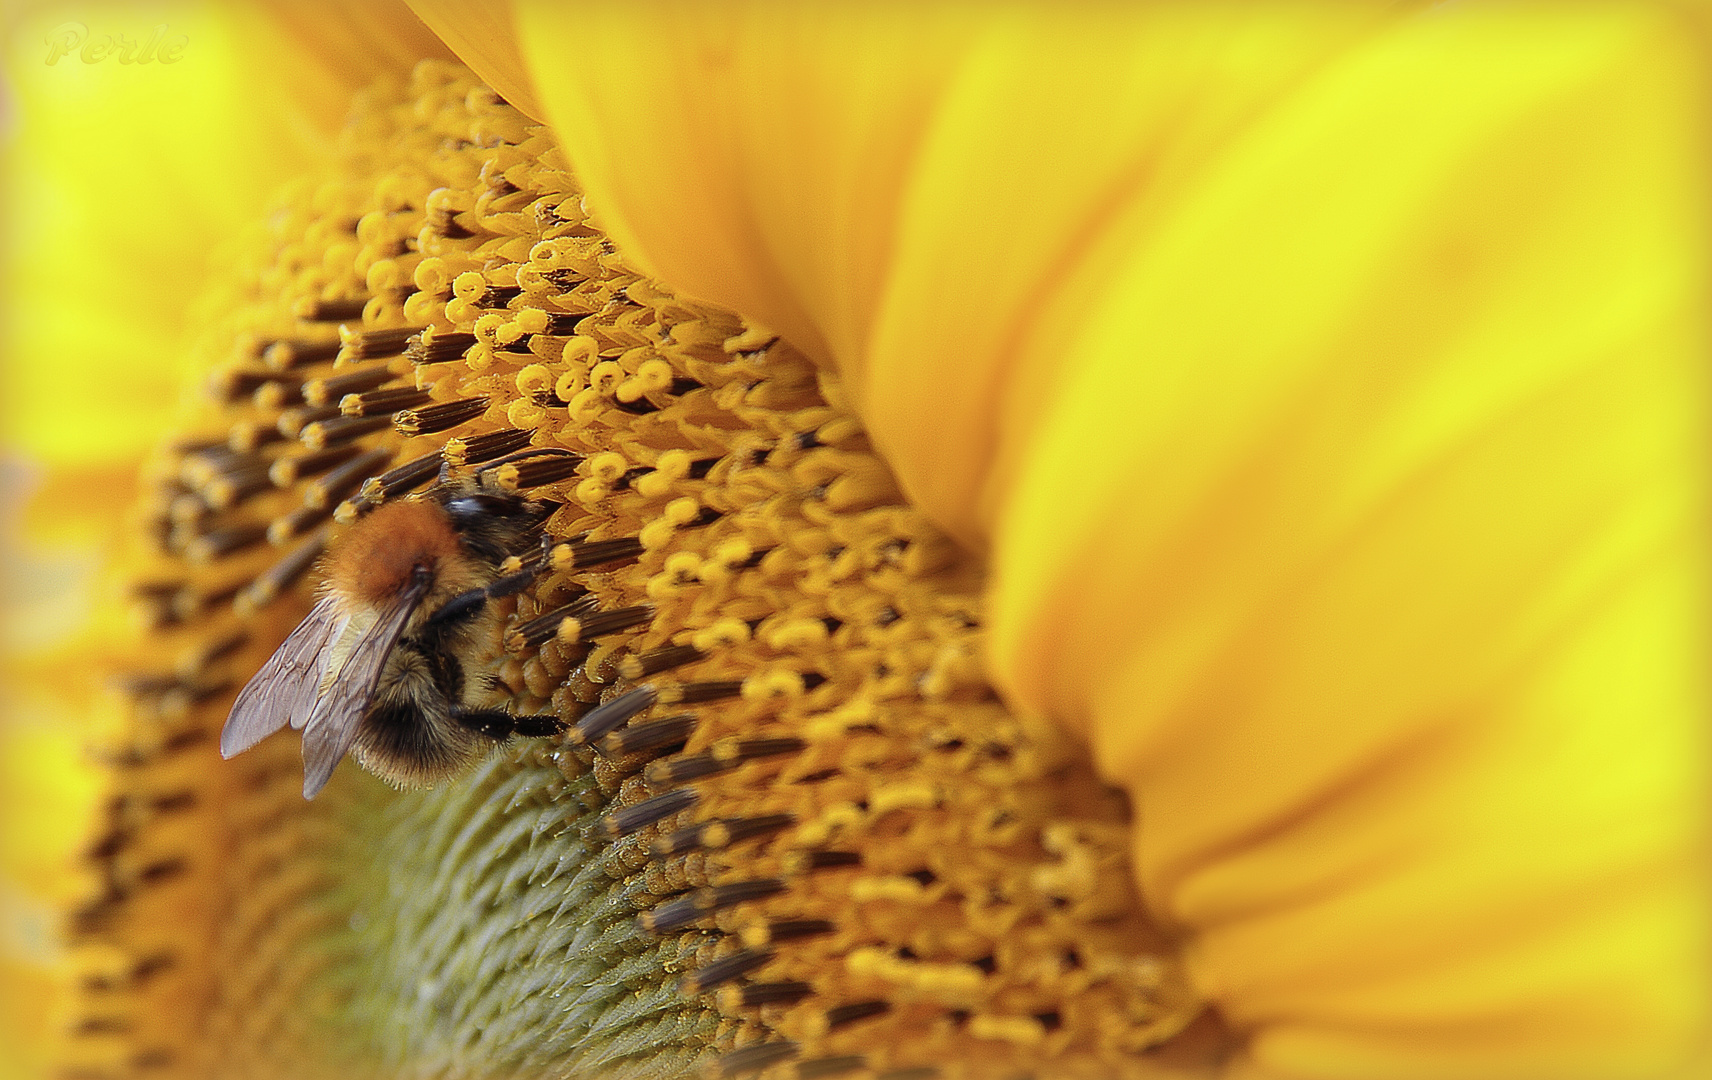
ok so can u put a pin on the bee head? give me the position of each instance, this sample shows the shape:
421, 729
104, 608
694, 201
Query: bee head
492, 525
375, 560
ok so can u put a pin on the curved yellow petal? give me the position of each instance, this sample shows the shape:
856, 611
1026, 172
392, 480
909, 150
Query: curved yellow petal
1329, 389
483, 37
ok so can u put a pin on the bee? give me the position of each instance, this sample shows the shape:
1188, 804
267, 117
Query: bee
384, 667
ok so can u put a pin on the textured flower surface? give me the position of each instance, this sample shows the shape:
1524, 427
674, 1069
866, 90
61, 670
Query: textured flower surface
1323, 388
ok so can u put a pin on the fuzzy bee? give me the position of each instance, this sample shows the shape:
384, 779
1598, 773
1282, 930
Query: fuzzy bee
385, 666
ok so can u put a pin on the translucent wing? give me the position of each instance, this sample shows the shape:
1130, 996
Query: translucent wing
284, 690
332, 727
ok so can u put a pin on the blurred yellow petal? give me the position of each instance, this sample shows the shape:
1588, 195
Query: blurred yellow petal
122, 177
1329, 389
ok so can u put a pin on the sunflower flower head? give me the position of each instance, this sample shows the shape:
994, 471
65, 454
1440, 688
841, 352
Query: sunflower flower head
790, 828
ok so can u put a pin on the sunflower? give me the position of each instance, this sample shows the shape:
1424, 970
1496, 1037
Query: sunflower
1300, 408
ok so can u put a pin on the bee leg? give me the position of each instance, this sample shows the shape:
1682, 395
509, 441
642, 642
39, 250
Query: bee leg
499, 725
538, 725
467, 605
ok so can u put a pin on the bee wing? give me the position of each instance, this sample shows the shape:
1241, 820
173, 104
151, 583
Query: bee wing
283, 691
332, 727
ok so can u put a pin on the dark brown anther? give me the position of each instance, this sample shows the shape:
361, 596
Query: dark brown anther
724, 758
755, 749
292, 421
645, 664
632, 819
707, 515
475, 449
153, 1059
229, 384
682, 770
826, 1067
248, 436
438, 346
546, 468
373, 344
292, 468
197, 444
198, 468
528, 635
722, 834
610, 715
139, 975
331, 390
809, 861
140, 684
156, 590
325, 492
694, 693
101, 1025
602, 623
650, 736
700, 467
228, 540
849, 1014
724, 970
407, 477
325, 433
278, 395
162, 871
287, 355
199, 658
778, 993
284, 529
596, 553
330, 310
562, 323
279, 577
754, 1058
444, 224
679, 913
679, 841
228, 489
429, 419
377, 402
796, 929
193, 601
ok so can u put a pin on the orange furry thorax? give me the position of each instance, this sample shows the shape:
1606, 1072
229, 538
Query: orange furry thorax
374, 561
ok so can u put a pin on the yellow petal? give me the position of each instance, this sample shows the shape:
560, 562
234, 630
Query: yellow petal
1329, 391
123, 176
483, 37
